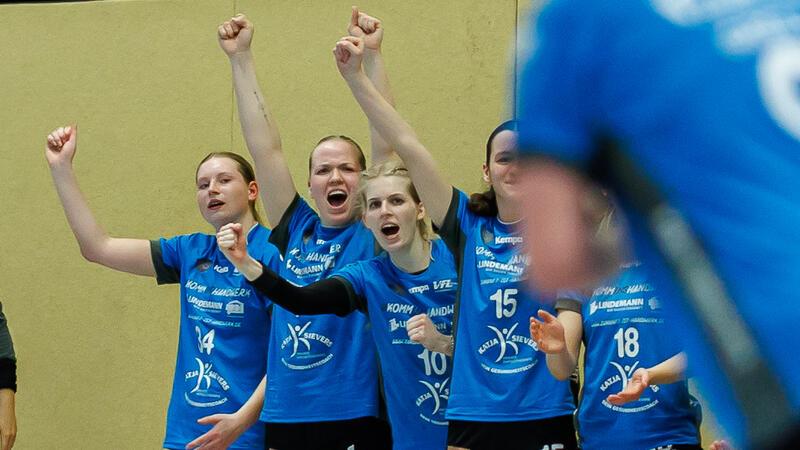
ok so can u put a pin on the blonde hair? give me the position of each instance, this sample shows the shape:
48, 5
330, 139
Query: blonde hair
392, 168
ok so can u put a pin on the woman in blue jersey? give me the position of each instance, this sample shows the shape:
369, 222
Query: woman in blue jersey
414, 277
634, 370
502, 395
324, 395
224, 323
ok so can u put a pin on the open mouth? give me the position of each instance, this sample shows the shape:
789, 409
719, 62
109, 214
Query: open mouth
390, 230
337, 198
215, 204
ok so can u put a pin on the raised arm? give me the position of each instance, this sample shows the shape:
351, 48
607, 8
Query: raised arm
433, 189
560, 338
228, 427
258, 125
370, 29
127, 255
668, 371
328, 296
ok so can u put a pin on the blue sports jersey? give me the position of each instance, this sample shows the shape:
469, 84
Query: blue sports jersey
703, 96
624, 330
223, 330
499, 374
416, 381
322, 367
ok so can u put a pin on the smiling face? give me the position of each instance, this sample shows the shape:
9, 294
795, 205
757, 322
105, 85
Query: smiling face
223, 194
501, 171
333, 181
391, 212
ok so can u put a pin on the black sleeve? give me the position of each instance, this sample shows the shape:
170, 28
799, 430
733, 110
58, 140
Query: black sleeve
450, 231
568, 304
8, 360
280, 234
329, 296
164, 273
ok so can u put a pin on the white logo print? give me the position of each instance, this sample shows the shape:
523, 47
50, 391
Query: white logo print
202, 395
296, 333
202, 376
439, 392
304, 349
204, 343
504, 337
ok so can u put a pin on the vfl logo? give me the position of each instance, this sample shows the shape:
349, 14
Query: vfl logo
439, 392
504, 338
204, 343
202, 376
296, 333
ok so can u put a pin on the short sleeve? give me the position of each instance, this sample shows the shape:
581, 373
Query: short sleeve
166, 260
570, 301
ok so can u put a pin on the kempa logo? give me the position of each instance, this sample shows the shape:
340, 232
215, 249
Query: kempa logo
513, 240
419, 289
439, 392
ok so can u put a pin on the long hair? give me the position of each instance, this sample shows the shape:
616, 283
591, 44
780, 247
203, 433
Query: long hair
392, 168
485, 203
244, 168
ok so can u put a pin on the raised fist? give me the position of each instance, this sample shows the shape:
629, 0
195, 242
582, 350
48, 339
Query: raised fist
235, 35
367, 28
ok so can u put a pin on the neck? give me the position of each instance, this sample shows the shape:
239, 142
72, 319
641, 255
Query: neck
413, 258
507, 212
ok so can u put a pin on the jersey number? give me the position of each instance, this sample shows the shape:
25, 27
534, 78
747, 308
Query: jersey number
434, 362
627, 342
505, 303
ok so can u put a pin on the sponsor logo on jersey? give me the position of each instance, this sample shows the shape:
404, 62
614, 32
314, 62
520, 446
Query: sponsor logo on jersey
206, 388
307, 349
434, 400
203, 265
195, 286
234, 307
619, 380
503, 351
616, 305
204, 304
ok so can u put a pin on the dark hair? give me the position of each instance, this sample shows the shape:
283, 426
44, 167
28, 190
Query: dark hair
485, 203
244, 168
362, 161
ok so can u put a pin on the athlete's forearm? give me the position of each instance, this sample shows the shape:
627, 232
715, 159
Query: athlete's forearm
328, 296
668, 371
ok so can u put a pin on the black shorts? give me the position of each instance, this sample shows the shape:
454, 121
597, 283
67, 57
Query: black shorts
555, 432
363, 433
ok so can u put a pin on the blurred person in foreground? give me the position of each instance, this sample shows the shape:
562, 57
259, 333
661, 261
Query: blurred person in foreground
690, 112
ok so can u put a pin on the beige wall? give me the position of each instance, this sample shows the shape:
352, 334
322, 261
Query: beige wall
151, 93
